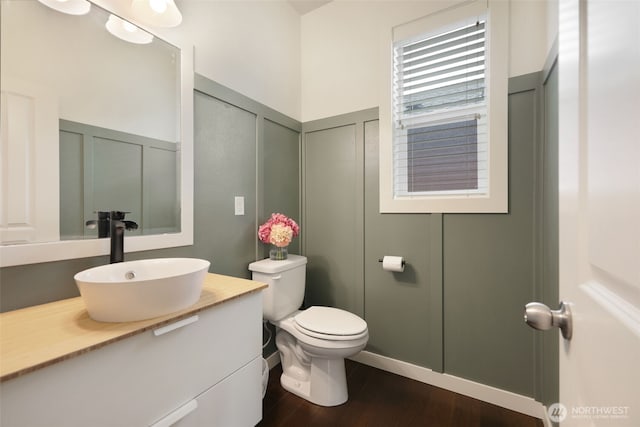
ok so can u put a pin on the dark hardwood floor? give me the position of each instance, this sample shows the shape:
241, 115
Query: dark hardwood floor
379, 398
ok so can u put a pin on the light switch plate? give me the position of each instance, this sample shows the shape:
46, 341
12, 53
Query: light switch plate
239, 205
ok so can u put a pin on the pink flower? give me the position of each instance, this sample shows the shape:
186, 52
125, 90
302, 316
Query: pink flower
278, 230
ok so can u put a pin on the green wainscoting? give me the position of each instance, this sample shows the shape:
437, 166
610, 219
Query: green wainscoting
547, 372
489, 272
398, 305
280, 181
458, 306
226, 156
333, 220
346, 236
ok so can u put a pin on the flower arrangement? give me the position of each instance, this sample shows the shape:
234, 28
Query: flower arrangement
278, 230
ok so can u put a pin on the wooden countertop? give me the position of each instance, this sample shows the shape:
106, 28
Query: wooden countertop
35, 337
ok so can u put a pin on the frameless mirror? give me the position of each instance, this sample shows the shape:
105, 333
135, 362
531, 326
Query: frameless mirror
90, 122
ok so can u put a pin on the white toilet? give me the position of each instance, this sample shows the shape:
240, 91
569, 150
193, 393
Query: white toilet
313, 342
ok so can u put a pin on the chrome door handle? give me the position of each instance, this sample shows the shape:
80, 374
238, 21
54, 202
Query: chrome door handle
541, 317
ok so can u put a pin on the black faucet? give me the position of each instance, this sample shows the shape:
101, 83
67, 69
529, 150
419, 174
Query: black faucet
102, 223
112, 224
117, 227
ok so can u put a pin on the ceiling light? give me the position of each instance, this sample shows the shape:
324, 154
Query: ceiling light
127, 31
156, 13
158, 6
71, 7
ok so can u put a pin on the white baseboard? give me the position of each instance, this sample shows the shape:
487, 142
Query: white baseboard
273, 359
505, 399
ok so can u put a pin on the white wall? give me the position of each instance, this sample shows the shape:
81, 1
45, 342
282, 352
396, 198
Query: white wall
532, 35
326, 62
341, 48
252, 47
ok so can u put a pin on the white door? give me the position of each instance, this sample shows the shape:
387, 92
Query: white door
29, 162
599, 190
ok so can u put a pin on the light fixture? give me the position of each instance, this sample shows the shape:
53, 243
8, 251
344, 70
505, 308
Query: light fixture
126, 31
156, 13
70, 7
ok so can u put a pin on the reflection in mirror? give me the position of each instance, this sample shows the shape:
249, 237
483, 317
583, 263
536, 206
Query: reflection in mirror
101, 168
90, 122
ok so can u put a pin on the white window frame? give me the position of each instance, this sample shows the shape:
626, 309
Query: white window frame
497, 67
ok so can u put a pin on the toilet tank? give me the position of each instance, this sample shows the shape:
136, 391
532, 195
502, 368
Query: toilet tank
286, 280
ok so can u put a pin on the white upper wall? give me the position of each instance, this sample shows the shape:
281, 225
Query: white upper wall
341, 48
252, 47
534, 25
327, 61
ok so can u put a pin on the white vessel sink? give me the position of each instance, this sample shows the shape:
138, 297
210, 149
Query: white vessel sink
138, 290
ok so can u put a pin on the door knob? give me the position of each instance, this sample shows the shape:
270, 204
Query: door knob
541, 317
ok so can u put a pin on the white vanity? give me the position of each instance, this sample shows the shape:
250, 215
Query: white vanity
200, 366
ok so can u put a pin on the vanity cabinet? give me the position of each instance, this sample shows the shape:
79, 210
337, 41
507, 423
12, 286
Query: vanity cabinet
202, 369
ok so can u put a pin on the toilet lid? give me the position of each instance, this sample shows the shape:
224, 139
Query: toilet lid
330, 321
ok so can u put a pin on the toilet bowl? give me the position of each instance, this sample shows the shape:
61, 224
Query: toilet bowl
313, 361
312, 343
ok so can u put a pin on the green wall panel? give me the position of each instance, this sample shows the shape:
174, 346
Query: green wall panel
332, 221
403, 310
548, 386
344, 243
458, 306
281, 178
489, 273
225, 158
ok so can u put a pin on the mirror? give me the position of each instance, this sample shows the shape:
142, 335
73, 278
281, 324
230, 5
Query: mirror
90, 122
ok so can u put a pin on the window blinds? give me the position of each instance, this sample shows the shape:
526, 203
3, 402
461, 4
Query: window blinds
440, 142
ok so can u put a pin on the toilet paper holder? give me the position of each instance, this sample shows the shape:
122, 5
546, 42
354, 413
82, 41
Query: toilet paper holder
403, 261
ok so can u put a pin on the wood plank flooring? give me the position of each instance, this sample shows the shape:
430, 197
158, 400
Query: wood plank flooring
379, 398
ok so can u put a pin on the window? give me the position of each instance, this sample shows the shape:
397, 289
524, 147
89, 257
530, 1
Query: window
440, 158
439, 102
445, 150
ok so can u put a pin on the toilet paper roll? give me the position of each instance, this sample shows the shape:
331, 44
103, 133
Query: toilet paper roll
393, 263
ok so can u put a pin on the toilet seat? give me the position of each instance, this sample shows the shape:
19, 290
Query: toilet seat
330, 324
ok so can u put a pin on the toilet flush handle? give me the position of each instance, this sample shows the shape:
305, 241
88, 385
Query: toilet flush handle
278, 277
